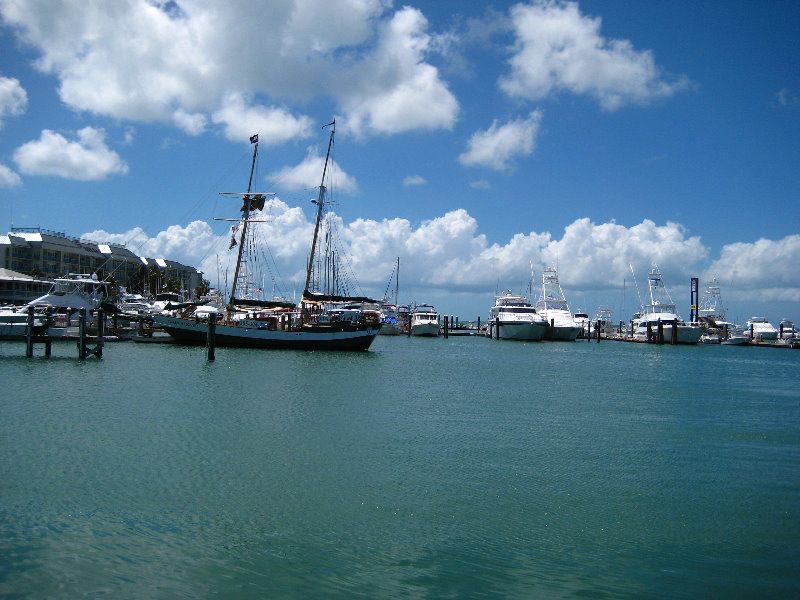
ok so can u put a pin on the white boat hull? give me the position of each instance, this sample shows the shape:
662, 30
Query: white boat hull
563, 333
511, 330
687, 334
425, 329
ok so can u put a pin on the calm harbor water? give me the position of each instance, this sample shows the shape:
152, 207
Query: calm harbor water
425, 468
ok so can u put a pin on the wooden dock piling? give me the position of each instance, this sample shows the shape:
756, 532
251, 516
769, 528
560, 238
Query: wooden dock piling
211, 335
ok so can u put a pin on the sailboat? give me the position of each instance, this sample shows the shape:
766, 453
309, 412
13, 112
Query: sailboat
251, 323
391, 323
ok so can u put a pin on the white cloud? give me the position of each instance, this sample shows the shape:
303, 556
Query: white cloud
189, 123
180, 61
765, 270
274, 125
86, 159
447, 259
559, 49
786, 98
480, 184
500, 144
394, 90
8, 178
308, 174
414, 180
13, 98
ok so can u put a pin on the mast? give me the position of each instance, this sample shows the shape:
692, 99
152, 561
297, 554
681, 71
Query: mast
320, 203
397, 282
245, 215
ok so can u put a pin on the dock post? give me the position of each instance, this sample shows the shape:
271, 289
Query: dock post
211, 335
444, 327
82, 334
597, 331
29, 334
101, 333
588, 331
479, 325
497, 327
660, 333
674, 332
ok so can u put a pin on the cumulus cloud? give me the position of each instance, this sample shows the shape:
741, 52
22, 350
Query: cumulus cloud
8, 178
274, 125
496, 147
189, 123
87, 158
765, 270
178, 62
395, 90
13, 98
448, 256
559, 49
308, 174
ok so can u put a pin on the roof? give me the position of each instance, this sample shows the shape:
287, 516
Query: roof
9, 274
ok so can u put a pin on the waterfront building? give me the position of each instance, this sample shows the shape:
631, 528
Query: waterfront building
47, 254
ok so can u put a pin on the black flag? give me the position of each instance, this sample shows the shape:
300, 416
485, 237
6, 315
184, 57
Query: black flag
254, 139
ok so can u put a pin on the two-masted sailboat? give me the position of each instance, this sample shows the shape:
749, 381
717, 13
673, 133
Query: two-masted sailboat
314, 325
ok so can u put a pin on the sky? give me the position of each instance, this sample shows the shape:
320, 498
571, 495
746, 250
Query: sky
478, 142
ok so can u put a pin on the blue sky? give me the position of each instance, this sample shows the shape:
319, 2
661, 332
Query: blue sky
474, 141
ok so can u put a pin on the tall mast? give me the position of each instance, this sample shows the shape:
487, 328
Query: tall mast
397, 281
320, 202
245, 215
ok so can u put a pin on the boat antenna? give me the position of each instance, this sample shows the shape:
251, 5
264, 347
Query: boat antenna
320, 203
245, 215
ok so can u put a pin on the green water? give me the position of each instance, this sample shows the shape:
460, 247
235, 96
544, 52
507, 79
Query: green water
425, 468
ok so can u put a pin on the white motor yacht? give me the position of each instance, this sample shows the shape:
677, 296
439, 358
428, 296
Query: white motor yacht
760, 329
514, 318
425, 321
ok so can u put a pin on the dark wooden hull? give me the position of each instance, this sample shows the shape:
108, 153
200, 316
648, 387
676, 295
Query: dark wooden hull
337, 336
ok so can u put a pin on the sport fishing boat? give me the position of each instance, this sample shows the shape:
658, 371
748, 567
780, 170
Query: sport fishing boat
514, 318
552, 305
661, 313
276, 324
57, 312
425, 321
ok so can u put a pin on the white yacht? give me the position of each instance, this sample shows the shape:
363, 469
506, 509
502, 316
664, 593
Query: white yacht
425, 321
59, 309
787, 330
552, 305
759, 328
582, 320
514, 318
661, 310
